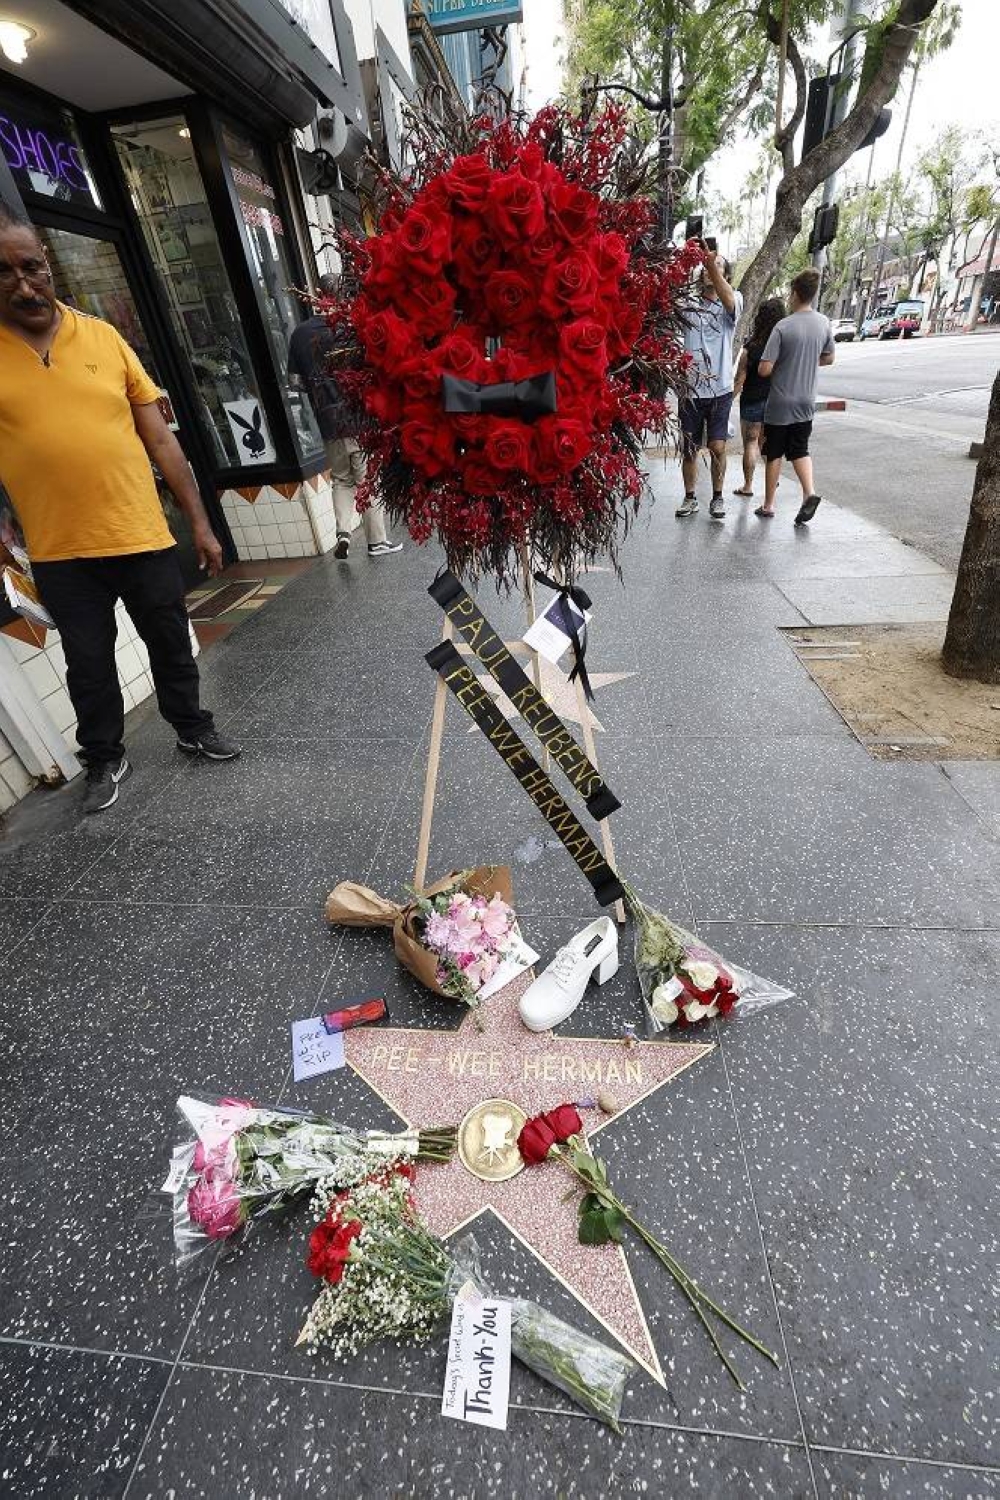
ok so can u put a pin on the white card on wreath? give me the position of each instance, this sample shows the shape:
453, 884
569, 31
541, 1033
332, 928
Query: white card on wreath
552, 633
477, 1378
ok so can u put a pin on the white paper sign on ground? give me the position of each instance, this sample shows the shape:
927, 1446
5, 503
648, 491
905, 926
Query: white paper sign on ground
314, 1049
477, 1379
519, 959
550, 635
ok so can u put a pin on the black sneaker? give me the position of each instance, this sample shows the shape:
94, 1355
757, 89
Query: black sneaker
211, 745
343, 546
101, 788
383, 549
717, 509
807, 510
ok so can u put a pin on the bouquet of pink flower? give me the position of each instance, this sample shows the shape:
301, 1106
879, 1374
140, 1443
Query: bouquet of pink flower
471, 935
238, 1162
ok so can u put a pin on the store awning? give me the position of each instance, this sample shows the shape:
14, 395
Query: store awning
249, 56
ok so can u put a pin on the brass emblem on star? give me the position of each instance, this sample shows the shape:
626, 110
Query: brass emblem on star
487, 1140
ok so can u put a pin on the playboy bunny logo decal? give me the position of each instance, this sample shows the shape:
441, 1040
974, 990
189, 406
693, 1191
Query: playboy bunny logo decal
246, 421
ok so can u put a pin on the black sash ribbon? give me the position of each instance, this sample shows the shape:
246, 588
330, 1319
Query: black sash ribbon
526, 400
577, 634
477, 632
484, 712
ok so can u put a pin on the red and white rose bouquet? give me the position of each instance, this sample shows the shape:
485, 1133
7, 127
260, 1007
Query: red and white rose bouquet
683, 981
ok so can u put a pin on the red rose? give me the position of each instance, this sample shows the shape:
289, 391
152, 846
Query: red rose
479, 476
511, 298
384, 278
474, 249
508, 444
387, 339
563, 1122
542, 248
584, 347
535, 1141
468, 182
427, 440
426, 238
330, 1249
560, 444
461, 354
570, 286
573, 211
625, 331
610, 255
384, 403
431, 304
517, 208
420, 377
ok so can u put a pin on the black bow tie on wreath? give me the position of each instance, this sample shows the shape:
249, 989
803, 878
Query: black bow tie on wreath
525, 400
577, 632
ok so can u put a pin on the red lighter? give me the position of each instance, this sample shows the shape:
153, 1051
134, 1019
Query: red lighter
355, 1015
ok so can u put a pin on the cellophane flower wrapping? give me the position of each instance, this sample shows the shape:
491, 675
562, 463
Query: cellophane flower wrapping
470, 933
589, 1372
387, 1276
236, 1161
684, 981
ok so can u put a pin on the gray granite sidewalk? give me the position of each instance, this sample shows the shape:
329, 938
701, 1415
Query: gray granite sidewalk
828, 1169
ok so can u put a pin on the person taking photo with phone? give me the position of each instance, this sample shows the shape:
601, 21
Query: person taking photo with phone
705, 412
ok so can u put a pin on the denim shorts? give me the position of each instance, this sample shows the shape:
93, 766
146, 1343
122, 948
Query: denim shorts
752, 411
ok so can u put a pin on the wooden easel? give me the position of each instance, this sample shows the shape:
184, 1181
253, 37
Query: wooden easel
516, 648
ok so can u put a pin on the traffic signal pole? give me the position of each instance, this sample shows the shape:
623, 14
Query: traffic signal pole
852, 14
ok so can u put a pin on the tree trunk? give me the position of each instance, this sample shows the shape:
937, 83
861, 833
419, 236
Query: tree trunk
977, 296
797, 185
972, 644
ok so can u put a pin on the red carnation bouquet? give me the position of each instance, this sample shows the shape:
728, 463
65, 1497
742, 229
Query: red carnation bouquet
558, 1136
385, 1275
516, 250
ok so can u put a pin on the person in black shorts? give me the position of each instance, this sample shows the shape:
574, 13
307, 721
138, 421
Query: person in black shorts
704, 413
792, 356
752, 389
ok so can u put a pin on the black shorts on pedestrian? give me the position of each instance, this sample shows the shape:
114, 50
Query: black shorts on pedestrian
790, 441
705, 419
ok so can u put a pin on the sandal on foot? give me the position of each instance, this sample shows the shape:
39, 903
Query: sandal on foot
765, 515
744, 494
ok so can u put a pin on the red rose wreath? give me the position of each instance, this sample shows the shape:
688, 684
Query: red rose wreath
521, 253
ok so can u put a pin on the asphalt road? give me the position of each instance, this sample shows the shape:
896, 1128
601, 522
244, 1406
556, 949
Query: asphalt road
899, 454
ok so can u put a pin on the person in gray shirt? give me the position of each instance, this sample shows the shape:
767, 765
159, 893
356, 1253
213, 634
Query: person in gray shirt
792, 356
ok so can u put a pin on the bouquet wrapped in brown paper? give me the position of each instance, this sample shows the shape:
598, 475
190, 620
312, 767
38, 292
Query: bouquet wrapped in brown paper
454, 937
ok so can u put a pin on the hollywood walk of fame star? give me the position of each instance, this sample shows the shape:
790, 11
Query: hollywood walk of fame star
430, 1076
558, 692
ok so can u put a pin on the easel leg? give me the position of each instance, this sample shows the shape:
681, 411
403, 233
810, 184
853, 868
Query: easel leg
431, 778
536, 661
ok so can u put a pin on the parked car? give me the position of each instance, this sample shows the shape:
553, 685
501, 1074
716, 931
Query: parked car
905, 321
844, 330
872, 327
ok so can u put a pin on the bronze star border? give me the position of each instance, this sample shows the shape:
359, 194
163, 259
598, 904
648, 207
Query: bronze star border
430, 1076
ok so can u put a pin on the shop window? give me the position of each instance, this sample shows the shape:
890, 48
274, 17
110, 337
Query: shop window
170, 203
272, 266
41, 147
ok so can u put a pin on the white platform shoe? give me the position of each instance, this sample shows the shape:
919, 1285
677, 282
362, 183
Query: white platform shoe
558, 990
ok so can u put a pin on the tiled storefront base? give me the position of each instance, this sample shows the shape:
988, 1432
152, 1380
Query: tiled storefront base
281, 520
44, 669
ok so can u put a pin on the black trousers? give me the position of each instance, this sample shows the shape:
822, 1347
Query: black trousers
80, 595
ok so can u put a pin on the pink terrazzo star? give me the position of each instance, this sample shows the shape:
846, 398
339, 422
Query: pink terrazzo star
429, 1077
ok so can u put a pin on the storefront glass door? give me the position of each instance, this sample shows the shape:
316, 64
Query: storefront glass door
88, 274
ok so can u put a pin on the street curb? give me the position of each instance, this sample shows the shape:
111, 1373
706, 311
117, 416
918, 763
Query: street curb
831, 403
975, 450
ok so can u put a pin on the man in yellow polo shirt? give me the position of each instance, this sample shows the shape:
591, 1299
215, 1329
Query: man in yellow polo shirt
79, 425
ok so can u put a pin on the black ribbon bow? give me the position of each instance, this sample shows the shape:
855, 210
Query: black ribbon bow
527, 400
576, 632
